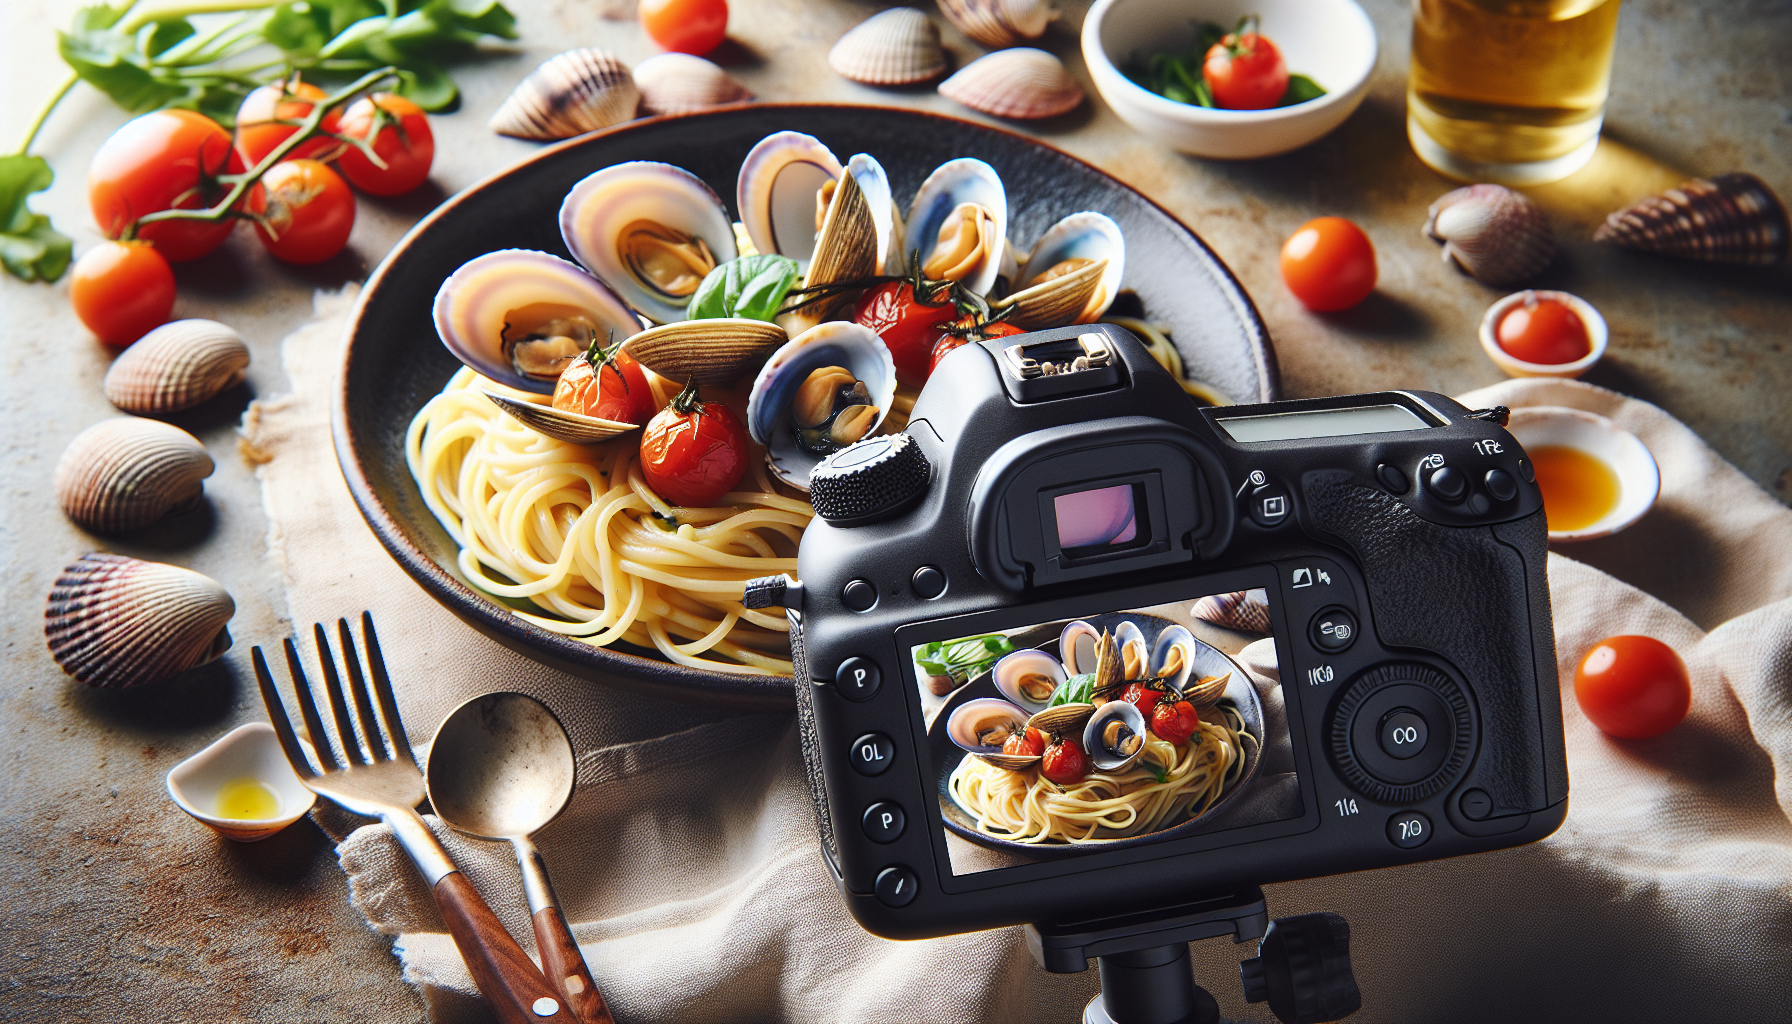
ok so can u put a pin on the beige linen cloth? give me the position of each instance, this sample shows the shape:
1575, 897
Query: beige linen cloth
689, 867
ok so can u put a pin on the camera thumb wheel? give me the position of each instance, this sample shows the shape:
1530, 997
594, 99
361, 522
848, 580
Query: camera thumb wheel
1302, 968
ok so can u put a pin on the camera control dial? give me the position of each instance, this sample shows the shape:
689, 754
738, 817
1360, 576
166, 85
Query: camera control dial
870, 480
1401, 732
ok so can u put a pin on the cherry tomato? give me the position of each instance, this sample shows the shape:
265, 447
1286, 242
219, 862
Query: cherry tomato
1142, 697
1245, 71
606, 383
909, 328
1065, 763
259, 129
310, 212
948, 343
1028, 742
693, 451
1329, 264
1174, 721
164, 160
1633, 687
404, 142
122, 290
1543, 331
686, 26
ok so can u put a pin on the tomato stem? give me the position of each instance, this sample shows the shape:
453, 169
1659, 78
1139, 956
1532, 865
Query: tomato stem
687, 402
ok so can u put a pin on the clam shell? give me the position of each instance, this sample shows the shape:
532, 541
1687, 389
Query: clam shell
576, 92
999, 23
1076, 648
678, 83
476, 301
964, 180
1100, 756
1492, 233
1022, 84
855, 238
1174, 636
1058, 302
1238, 610
714, 353
835, 343
116, 621
559, 424
602, 204
125, 473
176, 366
1131, 641
1067, 719
1732, 218
973, 712
899, 46
776, 189
1083, 295
1012, 668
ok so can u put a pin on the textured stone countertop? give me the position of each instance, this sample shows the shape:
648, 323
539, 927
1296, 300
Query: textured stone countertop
120, 908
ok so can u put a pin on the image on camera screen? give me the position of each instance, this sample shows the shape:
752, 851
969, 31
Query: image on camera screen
1080, 735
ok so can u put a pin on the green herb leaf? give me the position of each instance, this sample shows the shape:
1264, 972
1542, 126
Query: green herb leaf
752, 287
1075, 690
110, 61
1157, 772
30, 248
1300, 90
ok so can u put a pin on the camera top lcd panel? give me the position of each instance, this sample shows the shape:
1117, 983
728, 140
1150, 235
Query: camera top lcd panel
1074, 646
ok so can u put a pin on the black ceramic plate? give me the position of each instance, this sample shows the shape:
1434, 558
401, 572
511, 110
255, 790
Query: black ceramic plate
395, 362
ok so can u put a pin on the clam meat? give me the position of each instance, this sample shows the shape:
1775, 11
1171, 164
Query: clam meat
818, 376
1173, 656
1115, 736
1135, 655
959, 223
649, 230
832, 409
982, 726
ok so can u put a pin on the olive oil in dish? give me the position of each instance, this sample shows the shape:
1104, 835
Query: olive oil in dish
247, 799
1578, 489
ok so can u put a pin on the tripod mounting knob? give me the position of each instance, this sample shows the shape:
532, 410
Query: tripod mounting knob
1302, 968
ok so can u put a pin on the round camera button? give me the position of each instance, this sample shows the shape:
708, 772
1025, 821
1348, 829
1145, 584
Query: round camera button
1391, 478
871, 754
1409, 830
1333, 630
897, 886
1403, 733
1525, 470
857, 679
859, 595
1448, 483
883, 821
1475, 804
1501, 485
929, 582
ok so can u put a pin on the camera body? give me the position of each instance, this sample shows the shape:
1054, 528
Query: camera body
1392, 544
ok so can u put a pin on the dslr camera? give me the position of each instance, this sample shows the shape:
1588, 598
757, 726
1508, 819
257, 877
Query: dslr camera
1073, 646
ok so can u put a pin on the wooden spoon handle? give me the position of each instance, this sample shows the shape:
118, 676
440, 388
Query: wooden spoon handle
565, 967
504, 973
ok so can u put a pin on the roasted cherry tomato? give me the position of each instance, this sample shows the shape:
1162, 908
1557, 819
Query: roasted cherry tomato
310, 212
1633, 687
1174, 721
1142, 697
122, 290
1029, 742
947, 343
686, 26
260, 123
1245, 71
1065, 763
1540, 330
693, 451
169, 159
1329, 264
401, 137
909, 329
606, 383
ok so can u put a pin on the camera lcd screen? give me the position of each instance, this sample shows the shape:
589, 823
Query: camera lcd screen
1295, 426
1075, 736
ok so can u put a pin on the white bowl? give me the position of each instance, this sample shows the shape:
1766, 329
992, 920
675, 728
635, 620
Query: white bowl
1330, 41
1515, 367
1639, 479
251, 751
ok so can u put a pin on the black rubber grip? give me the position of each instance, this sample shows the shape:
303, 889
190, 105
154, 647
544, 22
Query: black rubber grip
863, 482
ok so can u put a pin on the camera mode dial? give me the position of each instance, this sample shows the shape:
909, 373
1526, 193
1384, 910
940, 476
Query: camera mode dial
869, 480
1401, 732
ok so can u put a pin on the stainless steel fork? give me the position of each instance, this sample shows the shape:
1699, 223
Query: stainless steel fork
370, 770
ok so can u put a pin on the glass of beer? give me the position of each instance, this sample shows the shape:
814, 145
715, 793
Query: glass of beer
1510, 91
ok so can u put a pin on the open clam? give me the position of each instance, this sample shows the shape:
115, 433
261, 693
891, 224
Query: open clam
1175, 659
959, 222
1135, 654
650, 230
1076, 648
810, 397
1028, 678
1115, 735
981, 726
518, 316
1072, 275
714, 352
777, 192
855, 231
1064, 720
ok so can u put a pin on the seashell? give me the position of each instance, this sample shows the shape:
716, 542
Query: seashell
714, 353
1115, 735
1076, 648
116, 621
836, 343
126, 473
1028, 677
853, 240
576, 92
559, 424
1135, 654
937, 205
1065, 719
176, 366
999, 23
1732, 218
1173, 656
518, 316
776, 193
1242, 610
981, 726
649, 230
678, 83
1087, 253
1022, 84
1492, 233
899, 46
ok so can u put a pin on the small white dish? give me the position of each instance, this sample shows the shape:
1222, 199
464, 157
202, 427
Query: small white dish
1639, 478
247, 752
1330, 41
1597, 335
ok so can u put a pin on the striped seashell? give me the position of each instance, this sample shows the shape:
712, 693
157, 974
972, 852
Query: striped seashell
1732, 218
115, 621
899, 46
576, 92
125, 473
1238, 610
999, 23
714, 353
560, 424
175, 367
1023, 84
678, 83
1492, 233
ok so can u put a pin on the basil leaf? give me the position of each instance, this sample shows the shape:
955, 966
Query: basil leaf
110, 61
1075, 690
752, 287
158, 36
30, 248
1300, 90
